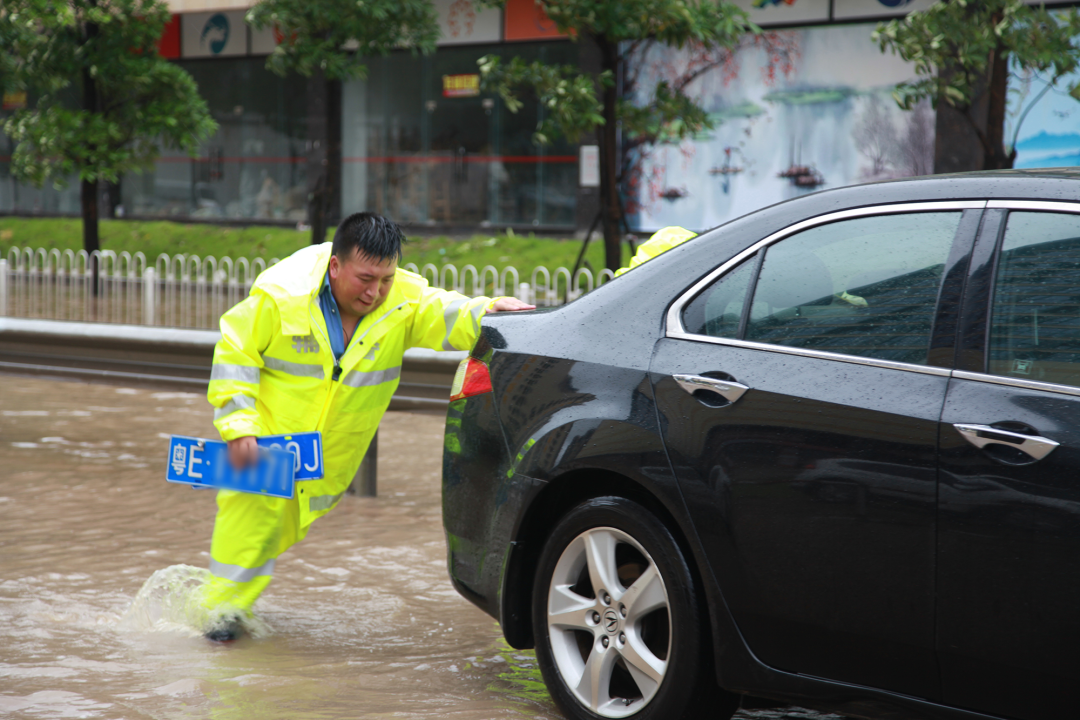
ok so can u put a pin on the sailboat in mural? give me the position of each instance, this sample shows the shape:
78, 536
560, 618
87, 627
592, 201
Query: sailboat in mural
726, 170
674, 193
802, 176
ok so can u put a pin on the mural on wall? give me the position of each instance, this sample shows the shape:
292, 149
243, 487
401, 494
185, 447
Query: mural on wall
817, 115
1048, 120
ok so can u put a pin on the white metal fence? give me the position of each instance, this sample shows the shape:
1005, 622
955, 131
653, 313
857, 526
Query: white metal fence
189, 291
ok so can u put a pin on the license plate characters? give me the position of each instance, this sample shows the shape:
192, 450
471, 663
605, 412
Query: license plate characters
306, 447
282, 460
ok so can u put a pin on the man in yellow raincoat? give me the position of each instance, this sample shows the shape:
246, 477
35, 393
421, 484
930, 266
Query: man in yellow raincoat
317, 345
661, 241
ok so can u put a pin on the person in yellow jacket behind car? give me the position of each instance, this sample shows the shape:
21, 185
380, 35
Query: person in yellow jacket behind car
661, 241
317, 345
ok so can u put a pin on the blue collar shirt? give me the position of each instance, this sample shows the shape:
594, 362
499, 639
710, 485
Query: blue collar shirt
332, 316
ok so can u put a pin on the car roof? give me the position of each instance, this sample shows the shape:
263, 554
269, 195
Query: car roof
999, 184
1042, 184
1053, 184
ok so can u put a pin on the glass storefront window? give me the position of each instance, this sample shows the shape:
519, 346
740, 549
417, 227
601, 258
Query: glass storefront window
253, 167
420, 152
415, 147
16, 197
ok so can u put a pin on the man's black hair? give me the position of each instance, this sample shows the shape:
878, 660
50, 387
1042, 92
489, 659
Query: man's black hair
369, 234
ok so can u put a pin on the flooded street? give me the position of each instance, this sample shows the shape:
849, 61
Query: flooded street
360, 621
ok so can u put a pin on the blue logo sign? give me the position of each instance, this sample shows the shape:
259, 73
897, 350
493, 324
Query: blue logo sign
215, 33
895, 3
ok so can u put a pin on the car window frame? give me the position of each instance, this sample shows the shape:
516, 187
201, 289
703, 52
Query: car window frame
673, 326
973, 353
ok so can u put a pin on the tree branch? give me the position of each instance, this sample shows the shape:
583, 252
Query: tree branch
1023, 115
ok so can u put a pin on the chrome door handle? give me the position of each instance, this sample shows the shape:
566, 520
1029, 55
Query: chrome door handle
730, 391
982, 435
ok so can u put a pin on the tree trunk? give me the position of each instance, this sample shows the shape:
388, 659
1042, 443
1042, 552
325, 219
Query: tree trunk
88, 197
89, 188
997, 158
318, 110
332, 206
324, 158
607, 135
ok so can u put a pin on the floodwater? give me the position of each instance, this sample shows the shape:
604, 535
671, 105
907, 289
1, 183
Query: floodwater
360, 621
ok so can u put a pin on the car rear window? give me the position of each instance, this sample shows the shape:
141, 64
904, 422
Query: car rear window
1035, 325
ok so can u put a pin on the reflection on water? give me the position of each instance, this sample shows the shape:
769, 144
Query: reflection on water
360, 621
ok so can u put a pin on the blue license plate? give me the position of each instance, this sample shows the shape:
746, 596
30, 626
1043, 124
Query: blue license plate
306, 447
205, 463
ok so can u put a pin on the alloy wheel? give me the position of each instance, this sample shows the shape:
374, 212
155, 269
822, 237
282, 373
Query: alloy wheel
609, 622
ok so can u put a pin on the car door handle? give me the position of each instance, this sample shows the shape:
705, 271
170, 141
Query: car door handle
982, 435
730, 391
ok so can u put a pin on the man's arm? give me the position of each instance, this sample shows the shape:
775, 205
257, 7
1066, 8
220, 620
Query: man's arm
447, 320
234, 377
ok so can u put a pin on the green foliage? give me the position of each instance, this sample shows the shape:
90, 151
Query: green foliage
963, 37
709, 23
334, 36
573, 98
158, 236
671, 117
568, 97
144, 101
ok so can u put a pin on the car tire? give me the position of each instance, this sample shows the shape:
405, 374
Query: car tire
619, 629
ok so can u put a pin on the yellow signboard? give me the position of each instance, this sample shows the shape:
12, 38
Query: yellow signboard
14, 100
460, 85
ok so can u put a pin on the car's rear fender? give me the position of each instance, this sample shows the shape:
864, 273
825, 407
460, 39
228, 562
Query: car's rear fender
582, 470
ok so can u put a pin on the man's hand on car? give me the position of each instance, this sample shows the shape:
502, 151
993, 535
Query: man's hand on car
505, 304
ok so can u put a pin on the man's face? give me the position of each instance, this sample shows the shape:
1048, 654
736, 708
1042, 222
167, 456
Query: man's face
361, 283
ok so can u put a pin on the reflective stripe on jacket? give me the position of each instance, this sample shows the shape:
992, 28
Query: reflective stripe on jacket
274, 371
661, 241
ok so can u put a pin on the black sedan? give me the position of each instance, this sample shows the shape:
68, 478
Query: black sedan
827, 453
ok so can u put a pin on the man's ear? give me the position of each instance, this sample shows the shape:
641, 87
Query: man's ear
335, 267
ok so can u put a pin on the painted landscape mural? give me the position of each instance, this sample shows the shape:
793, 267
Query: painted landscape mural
799, 111
1048, 120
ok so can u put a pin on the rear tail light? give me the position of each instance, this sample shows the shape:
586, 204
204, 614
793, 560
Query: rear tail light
472, 378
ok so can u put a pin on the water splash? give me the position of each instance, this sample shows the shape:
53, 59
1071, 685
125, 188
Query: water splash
171, 600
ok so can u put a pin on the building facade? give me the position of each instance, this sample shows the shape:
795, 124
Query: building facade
420, 143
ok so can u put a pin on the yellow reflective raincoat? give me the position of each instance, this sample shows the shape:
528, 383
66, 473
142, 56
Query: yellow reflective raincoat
274, 373
661, 241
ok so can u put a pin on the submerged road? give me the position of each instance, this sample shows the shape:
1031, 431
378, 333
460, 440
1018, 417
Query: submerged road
360, 621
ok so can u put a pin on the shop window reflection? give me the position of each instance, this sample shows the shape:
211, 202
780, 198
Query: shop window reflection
410, 150
422, 154
254, 167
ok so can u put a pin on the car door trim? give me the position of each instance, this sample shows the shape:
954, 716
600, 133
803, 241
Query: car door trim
1047, 205
1016, 382
675, 329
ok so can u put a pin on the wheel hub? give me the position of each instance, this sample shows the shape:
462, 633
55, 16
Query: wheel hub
612, 624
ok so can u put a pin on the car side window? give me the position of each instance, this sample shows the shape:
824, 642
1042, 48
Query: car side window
717, 311
1035, 320
866, 286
